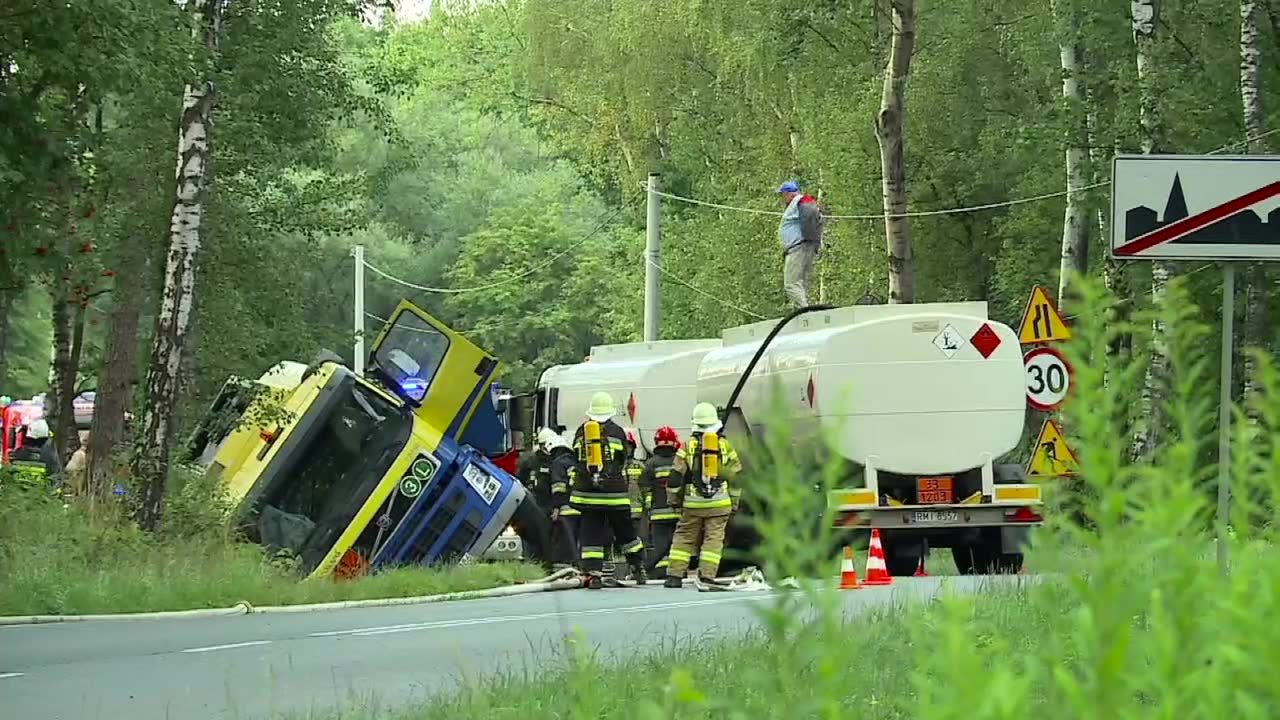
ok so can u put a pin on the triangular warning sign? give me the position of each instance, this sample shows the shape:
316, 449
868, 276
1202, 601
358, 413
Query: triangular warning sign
1041, 321
1052, 457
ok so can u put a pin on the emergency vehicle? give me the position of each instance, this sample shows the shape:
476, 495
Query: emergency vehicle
922, 401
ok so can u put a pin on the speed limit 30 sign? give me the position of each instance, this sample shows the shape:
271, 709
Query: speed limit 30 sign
1048, 378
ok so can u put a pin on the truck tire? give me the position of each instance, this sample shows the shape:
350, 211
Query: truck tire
1009, 564
971, 558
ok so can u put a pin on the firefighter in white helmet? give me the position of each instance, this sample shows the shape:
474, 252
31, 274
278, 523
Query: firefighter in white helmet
551, 481
699, 484
600, 492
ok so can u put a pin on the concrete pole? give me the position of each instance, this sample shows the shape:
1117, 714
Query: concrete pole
653, 258
357, 363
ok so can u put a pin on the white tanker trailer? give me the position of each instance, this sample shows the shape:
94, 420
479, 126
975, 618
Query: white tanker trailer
921, 400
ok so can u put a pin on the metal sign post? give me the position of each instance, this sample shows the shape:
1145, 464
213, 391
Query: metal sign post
1215, 207
1224, 411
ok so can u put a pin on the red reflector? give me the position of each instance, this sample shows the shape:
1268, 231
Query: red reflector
267, 436
631, 407
1025, 515
985, 340
811, 391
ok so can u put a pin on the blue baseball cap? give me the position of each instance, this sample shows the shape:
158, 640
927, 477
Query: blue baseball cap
789, 186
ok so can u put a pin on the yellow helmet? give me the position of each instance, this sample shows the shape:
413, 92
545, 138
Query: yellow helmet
601, 407
705, 418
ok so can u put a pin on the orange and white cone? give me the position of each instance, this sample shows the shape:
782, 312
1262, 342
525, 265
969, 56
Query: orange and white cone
877, 571
848, 576
920, 568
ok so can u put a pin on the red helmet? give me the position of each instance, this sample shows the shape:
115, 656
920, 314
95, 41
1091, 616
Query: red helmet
666, 435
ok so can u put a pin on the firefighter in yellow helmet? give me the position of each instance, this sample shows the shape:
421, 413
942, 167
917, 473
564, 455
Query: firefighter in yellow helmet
699, 484
600, 492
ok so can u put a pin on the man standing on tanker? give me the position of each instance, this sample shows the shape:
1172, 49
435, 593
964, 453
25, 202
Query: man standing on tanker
599, 491
700, 484
800, 232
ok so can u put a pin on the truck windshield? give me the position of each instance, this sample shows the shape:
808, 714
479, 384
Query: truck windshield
335, 472
411, 353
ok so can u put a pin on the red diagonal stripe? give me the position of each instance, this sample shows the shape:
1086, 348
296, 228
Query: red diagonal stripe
1189, 225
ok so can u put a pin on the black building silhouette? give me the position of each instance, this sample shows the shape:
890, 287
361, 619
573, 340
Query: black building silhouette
1243, 228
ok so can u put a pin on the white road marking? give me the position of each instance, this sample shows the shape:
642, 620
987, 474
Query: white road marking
6, 676
211, 648
463, 622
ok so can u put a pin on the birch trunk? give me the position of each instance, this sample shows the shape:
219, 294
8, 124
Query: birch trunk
889, 132
1257, 303
119, 365
1075, 225
151, 462
1146, 18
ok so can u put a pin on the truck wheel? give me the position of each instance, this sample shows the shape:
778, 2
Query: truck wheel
1009, 563
902, 565
971, 558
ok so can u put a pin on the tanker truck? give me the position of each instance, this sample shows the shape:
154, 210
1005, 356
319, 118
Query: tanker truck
922, 403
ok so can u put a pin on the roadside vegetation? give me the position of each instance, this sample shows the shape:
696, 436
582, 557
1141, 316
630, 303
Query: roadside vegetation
76, 560
1128, 616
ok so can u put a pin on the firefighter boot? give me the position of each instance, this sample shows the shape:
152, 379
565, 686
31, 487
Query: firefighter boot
638, 572
673, 582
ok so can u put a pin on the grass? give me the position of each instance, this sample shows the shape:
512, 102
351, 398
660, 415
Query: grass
56, 560
1133, 617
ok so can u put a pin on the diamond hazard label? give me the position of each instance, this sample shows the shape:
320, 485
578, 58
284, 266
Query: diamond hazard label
949, 340
985, 340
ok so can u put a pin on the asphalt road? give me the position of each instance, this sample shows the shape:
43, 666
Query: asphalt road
260, 666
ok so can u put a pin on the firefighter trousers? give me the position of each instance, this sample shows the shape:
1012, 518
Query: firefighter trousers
660, 534
685, 544
564, 545
601, 528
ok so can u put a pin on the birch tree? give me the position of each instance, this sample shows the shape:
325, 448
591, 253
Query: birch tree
1146, 19
1075, 226
893, 171
1257, 300
151, 462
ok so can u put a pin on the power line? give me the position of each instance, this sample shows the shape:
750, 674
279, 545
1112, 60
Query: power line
515, 278
672, 277
477, 329
946, 211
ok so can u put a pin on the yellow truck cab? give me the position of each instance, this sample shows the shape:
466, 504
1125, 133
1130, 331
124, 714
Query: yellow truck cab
351, 473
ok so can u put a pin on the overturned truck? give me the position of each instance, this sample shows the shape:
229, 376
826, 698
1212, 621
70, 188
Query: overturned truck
921, 402
349, 473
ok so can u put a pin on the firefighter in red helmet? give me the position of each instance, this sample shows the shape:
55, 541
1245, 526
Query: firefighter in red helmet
653, 485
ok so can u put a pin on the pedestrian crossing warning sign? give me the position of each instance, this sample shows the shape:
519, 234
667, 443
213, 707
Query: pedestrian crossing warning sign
1052, 457
1041, 321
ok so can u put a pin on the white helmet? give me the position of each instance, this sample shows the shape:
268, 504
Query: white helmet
38, 429
549, 440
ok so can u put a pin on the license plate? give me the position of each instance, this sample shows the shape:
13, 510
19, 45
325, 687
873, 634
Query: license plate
935, 516
935, 491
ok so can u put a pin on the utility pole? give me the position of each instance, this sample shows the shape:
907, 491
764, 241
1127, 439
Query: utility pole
653, 259
357, 361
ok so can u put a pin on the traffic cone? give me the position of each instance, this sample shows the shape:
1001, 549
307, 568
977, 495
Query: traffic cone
877, 571
848, 576
920, 569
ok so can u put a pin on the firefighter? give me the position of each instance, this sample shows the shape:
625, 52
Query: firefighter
701, 473
37, 460
634, 469
599, 492
556, 472
653, 484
